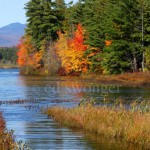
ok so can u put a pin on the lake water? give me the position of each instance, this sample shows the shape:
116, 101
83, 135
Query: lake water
41, 133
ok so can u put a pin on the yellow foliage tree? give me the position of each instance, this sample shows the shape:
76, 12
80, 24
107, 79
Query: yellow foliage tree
71, 52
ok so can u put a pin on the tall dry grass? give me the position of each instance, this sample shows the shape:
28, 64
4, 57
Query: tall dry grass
132, 125
129, 79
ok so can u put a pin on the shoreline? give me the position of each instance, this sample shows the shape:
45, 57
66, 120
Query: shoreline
127, 79
8, 67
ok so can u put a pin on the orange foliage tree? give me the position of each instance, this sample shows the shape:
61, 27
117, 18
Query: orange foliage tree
108, 42
28, 56
78, 40
71, 51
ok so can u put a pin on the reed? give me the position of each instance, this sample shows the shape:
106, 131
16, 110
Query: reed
128, 79
131, 125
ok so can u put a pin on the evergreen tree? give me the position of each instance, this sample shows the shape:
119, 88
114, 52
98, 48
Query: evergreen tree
60, 11
44, 20
117, 57
34, 19
145, 15
73, 16
126, 34
95, 13
8, 55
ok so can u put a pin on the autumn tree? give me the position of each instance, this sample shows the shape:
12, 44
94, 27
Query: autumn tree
44, 20
71, 52
117, 34
29, 59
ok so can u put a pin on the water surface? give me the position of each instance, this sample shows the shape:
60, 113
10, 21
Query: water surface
41, 133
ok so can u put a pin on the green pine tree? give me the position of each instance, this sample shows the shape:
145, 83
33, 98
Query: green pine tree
44, 20
126, 34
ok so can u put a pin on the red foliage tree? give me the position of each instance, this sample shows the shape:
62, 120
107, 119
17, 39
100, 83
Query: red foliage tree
71, 52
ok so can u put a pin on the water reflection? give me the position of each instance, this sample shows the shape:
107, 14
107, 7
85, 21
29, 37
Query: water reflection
51, 136
49, 88
97, 142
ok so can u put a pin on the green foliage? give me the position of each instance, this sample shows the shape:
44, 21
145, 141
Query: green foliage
44, 20
94, 14
73, 16
121, 22
94, 56
116, 58
148, 58
8, 55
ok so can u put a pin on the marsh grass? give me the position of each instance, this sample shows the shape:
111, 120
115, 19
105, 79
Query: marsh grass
131, 125
128, 79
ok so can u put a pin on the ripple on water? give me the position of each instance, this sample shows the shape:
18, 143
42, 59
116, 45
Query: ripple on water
33, 127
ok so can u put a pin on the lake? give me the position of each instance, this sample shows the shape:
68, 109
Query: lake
41, 133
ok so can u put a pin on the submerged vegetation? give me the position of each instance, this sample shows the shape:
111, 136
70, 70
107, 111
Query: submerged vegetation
131, 125
88, 37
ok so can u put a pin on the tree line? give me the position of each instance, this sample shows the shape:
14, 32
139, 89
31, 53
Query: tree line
98, 36
8, 55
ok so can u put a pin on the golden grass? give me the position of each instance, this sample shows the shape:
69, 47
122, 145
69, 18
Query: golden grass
130, 79
133, 127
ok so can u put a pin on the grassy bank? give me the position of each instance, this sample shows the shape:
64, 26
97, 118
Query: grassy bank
8, 65
6, 138
130, 126
127, 79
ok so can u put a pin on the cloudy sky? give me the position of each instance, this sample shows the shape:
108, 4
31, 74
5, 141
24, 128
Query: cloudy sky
12, 11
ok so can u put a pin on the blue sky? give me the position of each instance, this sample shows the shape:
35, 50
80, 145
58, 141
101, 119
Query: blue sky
12, 11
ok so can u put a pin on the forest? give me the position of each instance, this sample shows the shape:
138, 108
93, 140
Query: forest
84, 79
8, 57
88, 37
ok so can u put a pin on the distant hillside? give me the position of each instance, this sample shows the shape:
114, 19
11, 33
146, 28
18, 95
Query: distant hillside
10, 34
